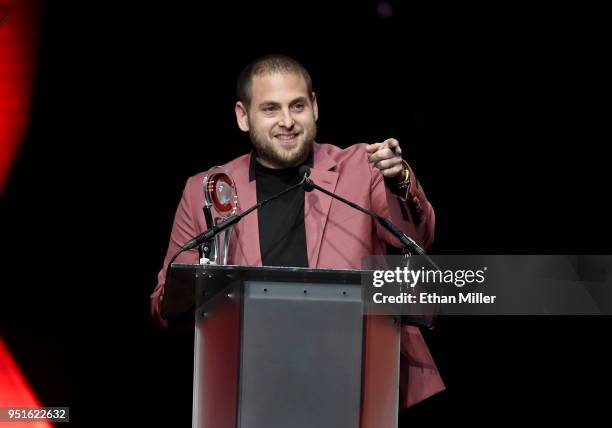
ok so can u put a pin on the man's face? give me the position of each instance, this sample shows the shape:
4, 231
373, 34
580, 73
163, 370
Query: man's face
281, 119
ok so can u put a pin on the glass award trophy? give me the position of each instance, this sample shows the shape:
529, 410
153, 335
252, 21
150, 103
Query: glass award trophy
220, 202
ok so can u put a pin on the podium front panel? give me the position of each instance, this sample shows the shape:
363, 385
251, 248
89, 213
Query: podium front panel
301, 355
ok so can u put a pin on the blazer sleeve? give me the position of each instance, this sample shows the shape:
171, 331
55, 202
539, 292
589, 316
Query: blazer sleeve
184, 228
412, 212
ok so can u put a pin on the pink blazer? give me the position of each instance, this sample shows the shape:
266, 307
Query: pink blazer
337, 236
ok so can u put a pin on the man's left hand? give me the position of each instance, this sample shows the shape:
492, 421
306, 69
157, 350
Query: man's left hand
387, 157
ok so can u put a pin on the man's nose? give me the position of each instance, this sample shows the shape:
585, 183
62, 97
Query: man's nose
286, 119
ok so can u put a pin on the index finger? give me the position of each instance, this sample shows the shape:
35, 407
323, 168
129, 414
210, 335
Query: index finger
393, 144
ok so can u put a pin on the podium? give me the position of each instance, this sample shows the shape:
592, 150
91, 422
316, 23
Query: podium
285, 347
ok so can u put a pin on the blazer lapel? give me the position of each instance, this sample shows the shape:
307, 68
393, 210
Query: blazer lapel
317, 204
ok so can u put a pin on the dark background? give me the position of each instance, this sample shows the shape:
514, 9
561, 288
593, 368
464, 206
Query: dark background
500, 112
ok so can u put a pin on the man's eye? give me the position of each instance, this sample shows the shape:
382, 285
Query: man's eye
298, 106
268, 109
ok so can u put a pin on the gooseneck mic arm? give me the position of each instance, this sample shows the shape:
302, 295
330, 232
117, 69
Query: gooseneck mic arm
408, 243
214, 231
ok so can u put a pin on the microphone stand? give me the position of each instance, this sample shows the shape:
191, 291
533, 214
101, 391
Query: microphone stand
409, 245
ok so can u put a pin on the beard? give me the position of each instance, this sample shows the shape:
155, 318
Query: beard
284, 157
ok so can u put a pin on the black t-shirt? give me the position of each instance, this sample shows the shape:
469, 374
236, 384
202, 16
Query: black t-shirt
282, 234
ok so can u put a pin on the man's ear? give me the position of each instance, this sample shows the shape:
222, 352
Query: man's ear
242, 116
315, 107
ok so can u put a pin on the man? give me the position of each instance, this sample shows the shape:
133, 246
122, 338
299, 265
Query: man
277, 107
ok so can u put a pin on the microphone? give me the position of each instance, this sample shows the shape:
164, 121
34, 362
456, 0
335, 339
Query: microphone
304, 172
405, 240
